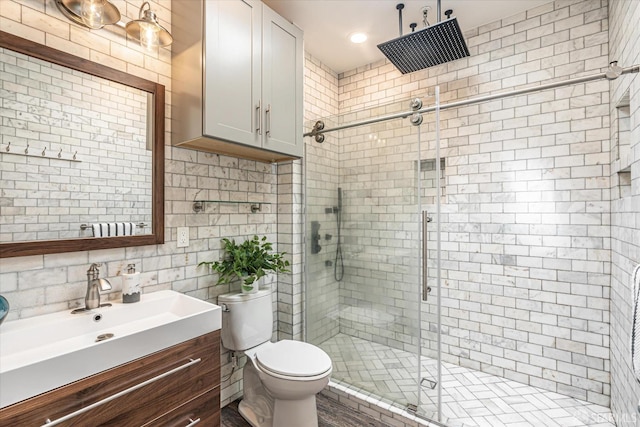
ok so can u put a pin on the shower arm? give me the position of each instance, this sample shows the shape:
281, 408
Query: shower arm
425, 11
608, 75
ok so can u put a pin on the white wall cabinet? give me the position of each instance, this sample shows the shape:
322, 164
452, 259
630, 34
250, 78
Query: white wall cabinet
237, 73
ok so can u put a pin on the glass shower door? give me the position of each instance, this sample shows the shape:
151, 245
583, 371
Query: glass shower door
430, 170
363, 254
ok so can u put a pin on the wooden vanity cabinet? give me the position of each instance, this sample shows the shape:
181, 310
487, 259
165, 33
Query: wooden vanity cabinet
178, 386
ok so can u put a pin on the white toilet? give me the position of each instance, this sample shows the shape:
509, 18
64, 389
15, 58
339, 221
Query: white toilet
281, 379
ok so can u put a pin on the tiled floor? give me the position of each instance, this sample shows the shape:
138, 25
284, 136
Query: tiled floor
331, 413
470, 398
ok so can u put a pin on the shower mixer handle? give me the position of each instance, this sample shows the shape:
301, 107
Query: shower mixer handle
315, 237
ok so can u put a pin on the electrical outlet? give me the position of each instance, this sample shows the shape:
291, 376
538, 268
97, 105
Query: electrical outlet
183, 237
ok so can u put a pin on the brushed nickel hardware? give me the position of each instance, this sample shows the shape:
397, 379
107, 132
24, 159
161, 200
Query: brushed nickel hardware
316, 131
426, 289
267, 118
49, 423
258, 119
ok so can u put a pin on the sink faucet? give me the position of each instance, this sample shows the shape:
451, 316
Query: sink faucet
94, 285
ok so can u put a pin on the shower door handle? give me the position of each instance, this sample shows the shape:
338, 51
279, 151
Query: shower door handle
426, 289
258, 119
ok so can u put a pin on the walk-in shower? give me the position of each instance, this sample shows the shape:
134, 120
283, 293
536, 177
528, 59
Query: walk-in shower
494, 326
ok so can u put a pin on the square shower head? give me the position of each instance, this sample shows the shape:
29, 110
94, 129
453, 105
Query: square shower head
433, 45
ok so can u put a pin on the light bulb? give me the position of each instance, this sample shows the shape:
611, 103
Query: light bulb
149, 36
358, 38
92, 12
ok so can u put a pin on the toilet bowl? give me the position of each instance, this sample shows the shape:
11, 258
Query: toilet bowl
280, 388
281, 379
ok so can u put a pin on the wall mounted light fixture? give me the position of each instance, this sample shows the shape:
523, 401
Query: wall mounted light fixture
148, 30
95, 14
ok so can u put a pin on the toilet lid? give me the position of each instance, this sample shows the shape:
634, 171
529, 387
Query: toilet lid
294, 358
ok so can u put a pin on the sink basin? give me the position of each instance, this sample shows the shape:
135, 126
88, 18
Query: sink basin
45, 352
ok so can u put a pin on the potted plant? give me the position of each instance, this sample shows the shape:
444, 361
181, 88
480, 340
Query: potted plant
247, 262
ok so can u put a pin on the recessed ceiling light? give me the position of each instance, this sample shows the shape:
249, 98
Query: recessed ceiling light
358, 37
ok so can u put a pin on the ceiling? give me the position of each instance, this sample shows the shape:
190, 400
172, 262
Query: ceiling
327, 24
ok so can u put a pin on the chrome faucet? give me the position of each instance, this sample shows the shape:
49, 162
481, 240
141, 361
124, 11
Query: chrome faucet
94, 285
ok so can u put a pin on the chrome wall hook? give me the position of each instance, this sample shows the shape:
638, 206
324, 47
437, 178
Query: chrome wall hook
51, 154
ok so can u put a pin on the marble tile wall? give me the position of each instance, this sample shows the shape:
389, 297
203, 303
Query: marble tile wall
624, 46
57, 115
526, 218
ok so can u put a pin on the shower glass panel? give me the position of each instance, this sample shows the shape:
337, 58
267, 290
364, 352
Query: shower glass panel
363, 255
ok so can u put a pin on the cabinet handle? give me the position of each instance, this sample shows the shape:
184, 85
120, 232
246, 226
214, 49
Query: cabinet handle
267, 115
49, 423
258, 119
193, 422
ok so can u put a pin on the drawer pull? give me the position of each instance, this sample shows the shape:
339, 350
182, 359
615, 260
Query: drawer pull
193, 422
49, 423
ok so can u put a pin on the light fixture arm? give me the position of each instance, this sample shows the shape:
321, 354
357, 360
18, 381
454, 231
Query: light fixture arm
140, 14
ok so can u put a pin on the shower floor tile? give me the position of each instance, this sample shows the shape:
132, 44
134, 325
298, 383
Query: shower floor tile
470, 398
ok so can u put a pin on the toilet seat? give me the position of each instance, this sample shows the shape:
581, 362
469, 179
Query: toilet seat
293, 359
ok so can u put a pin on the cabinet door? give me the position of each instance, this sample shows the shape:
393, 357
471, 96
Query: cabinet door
282, 74
232, 55
131, 394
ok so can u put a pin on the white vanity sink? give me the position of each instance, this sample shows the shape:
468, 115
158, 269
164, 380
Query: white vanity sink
44, 352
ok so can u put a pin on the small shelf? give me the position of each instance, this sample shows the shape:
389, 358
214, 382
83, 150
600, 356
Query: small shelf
199, 205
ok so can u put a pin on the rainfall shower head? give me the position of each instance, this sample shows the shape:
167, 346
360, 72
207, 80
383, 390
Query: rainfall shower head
433, 45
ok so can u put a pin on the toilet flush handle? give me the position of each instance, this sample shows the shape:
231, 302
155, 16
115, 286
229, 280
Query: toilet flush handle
224, 307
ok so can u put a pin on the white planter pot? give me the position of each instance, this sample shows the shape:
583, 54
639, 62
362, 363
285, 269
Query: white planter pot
253, 288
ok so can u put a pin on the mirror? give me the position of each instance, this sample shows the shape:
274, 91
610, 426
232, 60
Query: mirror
82, 153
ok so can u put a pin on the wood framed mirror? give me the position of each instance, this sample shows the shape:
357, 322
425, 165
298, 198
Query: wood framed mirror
82, 163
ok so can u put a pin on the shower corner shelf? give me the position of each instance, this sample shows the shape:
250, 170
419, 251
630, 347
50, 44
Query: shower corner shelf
199, 205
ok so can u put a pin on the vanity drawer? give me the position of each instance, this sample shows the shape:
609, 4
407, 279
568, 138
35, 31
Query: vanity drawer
154, 385
203, 411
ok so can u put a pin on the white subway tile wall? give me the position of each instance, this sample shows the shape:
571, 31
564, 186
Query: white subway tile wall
56, 115
526, 219
624, 42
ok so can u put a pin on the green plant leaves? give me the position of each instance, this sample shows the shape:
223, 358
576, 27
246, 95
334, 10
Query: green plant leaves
248, 261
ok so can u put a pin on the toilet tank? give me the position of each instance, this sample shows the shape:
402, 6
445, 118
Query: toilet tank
247, 319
